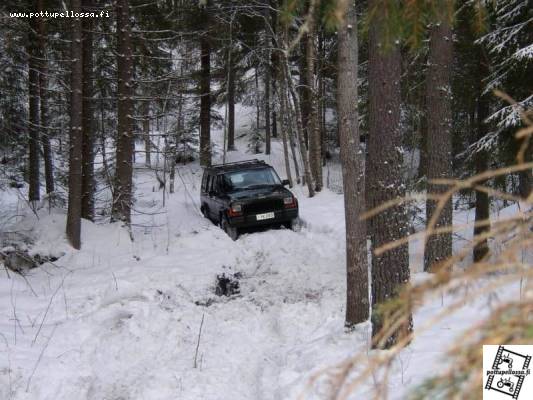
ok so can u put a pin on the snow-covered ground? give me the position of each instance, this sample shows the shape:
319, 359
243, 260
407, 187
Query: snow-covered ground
121, 319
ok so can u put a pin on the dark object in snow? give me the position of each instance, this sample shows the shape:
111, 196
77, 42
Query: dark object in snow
184, 158
205, 303
227, 285
246, 194
21, 261
16, 185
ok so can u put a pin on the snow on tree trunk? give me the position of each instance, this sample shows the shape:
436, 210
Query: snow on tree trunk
76, 133
33, 112
439, 140
87, 201
384, 180
122, 194
205, 101
357, 299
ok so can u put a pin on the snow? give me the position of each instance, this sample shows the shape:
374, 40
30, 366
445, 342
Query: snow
120, 319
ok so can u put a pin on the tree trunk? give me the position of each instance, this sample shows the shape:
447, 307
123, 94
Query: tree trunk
87, 176
274, 122
122, 200
43, 94
205, 101
303, 91
357, 302
481, 159
33, 122
525, 180
423, 164
76, 133
322, 98
300, 130
313, 129
285, 125
146, 133
267, 108
274, 62
384, 180
290, 134
177, 136
257, 101
525, 177
296, 110
439, 142
231, 107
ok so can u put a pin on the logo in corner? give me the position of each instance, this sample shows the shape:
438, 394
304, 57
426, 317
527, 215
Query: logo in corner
506, 372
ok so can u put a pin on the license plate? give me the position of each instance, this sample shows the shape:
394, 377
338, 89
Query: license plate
261, 217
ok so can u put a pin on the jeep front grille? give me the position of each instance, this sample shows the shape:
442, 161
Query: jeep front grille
261, 206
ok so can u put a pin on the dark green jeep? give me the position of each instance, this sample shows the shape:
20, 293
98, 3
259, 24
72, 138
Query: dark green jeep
246, 194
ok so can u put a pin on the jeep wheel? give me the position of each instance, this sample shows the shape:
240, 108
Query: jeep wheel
294, 225
231, 231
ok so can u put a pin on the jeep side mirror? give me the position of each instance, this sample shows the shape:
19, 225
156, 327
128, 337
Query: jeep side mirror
285, 182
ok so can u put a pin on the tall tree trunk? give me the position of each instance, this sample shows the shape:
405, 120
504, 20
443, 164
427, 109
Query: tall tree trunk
423, 164
384, 179
274, 122
122, 200
87, 176
205, 100
43, 94
296, 111
267, 108
291, 128
146, 133
76, 133
322, 97
313, 129
257, 101
285, 128
274, 62
439, 141
33, 121
481, 159
303, 91
299, 128
525, 177
231, 106
178, 135
357, 302
267, 77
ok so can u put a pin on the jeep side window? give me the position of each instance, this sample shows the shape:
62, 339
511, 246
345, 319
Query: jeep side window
212, 184
204, 183
208, 184
220, 187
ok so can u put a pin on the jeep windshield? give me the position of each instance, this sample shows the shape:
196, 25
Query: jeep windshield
251, 179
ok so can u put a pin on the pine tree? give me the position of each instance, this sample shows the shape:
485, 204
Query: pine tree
87, 201
122, 193
357, 299
510, 56
439, 142
205, 93
43, 99
384, 172
33, 121
76, 133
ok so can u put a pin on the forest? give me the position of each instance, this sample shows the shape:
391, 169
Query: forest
401, 130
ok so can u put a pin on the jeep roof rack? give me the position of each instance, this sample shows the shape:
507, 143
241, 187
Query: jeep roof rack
237, 164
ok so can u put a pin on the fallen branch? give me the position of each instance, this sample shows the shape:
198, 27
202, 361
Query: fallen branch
198, 342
